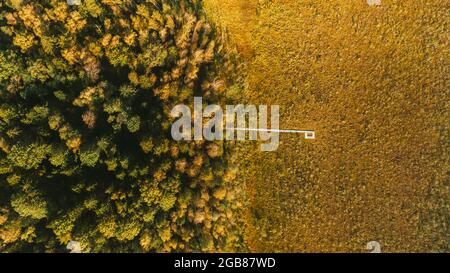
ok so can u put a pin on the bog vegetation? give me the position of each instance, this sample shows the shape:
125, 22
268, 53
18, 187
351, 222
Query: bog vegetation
373, 82
85, 146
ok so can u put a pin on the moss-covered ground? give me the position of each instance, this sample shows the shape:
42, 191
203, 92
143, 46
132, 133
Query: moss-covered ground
373, 82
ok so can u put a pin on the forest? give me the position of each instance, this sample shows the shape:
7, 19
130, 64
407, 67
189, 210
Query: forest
85, 148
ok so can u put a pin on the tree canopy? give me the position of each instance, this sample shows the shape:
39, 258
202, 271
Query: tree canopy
85, 147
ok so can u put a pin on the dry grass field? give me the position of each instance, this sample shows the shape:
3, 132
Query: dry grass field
373, 81
237, 18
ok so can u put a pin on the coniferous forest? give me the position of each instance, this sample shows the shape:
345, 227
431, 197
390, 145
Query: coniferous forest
85, 147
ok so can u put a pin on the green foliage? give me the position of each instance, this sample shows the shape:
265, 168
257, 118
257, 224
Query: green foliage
59, 157
127, 91
13, 179
89, 157
133, 124
85, 99
167, 202
8, 65
128, 230
29, 204
37, 113
28, 156
7, 113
